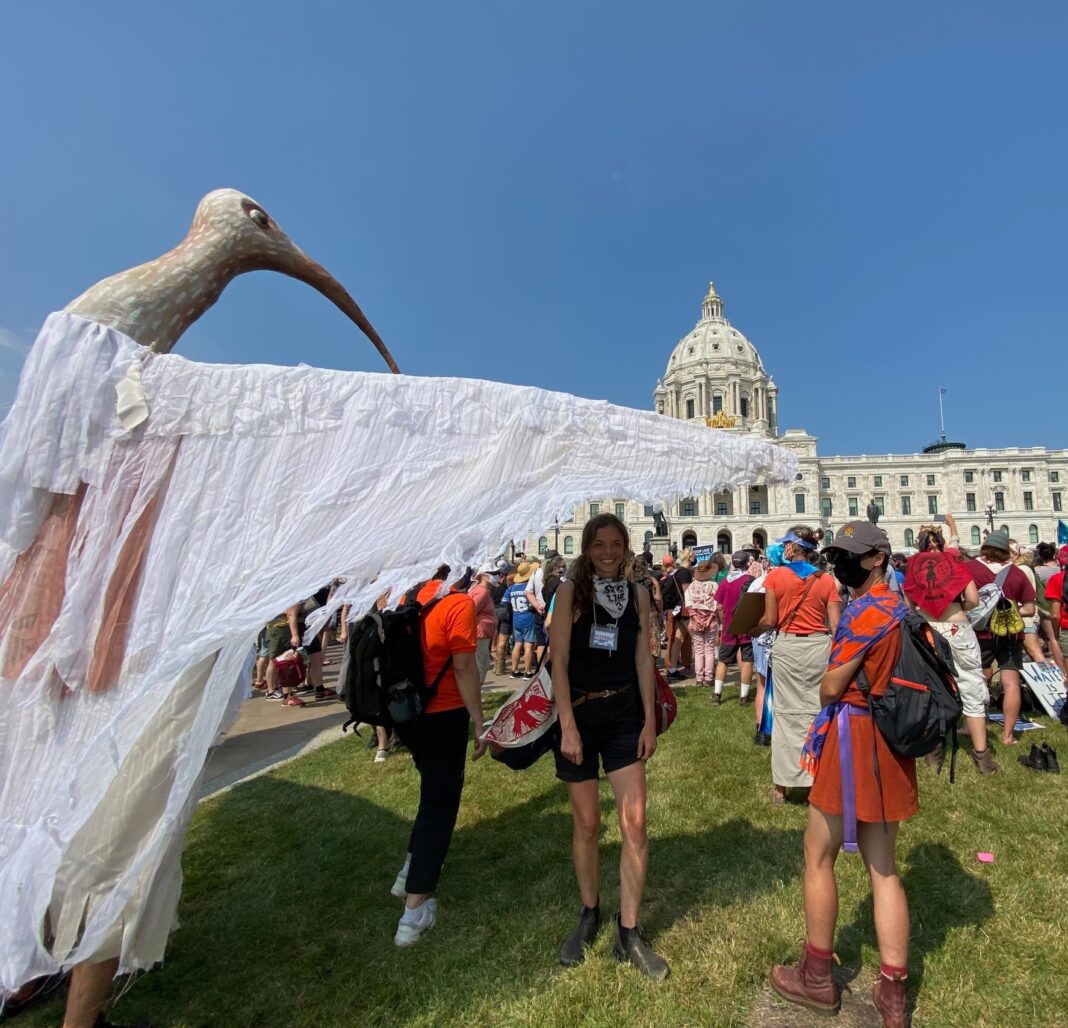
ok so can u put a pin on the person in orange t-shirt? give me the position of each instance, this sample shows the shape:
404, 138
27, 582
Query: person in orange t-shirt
438, 742
802, 603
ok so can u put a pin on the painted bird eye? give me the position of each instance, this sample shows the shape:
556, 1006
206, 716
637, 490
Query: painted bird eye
259, 217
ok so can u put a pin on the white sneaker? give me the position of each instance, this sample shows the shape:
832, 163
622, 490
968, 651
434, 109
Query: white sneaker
400, 885
414, 922
380, 756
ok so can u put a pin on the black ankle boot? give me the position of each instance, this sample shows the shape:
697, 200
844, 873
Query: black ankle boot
573, 948
633, 947
1050, 755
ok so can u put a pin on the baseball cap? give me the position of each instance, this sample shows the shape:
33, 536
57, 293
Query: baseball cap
859, 537
489, 569
741, 559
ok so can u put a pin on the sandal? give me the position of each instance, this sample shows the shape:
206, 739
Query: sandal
292, 701
259, 686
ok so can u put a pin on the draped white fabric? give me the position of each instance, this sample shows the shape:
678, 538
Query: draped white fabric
272, 482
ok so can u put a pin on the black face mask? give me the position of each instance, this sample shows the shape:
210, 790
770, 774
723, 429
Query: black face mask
850, 572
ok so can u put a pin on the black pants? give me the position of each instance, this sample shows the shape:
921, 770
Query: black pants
439, 748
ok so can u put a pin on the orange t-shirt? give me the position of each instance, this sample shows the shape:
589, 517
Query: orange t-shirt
451, 627
812, 614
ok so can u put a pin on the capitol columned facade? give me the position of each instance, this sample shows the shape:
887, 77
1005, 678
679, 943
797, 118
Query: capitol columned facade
715, 375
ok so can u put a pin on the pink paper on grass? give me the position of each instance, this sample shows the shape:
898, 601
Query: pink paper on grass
985, 858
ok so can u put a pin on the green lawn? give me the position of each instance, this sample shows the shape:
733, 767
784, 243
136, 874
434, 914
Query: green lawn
287, 917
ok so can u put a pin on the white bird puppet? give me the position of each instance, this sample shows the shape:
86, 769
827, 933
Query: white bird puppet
156, 512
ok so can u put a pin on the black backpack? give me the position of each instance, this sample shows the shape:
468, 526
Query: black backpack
921, 705
385, 681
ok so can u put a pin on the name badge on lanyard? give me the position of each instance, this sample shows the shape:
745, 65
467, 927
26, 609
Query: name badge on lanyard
604, 637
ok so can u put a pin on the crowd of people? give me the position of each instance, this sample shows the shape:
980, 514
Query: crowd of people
607, 621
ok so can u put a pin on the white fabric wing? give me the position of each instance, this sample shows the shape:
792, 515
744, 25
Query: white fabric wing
269, 482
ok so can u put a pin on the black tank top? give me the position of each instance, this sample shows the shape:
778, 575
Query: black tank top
592, 670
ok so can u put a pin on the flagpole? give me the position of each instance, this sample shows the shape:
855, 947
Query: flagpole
941, 416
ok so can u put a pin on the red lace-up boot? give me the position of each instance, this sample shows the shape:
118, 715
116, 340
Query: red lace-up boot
808, 982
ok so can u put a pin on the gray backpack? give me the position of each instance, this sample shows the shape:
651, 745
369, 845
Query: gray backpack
989, 595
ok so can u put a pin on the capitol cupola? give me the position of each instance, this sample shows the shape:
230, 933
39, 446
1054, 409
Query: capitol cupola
712, 305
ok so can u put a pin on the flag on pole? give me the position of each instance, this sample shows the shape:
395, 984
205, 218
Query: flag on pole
941, 391
1062, 532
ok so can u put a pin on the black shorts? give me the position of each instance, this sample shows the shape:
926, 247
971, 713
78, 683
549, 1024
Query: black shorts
1007, 652
609, 728
727, 653
316, 645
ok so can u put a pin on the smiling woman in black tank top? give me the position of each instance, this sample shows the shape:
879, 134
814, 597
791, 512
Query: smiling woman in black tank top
604, 688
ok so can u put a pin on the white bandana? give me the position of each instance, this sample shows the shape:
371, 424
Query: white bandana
611, 593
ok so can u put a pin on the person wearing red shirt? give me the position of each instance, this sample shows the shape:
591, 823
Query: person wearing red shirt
438, 743
1055, 594
1007, 653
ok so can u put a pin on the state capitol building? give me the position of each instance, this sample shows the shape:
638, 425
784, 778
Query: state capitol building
715, 375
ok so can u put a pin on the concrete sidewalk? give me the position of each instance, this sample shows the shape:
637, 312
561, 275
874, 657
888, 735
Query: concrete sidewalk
266, 734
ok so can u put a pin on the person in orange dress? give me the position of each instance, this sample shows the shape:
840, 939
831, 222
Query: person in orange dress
849, 805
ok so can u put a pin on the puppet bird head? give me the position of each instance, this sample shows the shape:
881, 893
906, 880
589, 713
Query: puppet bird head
231, 234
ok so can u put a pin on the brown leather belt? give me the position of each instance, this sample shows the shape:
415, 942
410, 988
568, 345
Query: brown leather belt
595, 696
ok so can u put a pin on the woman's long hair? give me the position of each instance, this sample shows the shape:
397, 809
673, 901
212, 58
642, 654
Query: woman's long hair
581, 572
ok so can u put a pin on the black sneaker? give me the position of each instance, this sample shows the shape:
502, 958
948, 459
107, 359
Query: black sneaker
632, 947
573, 949
745, 701
530, 674
516, 674
1051, 758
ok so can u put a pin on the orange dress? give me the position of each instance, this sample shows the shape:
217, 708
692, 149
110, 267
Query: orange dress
899, 799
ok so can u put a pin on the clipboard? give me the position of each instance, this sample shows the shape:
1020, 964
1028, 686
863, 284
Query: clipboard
747, 613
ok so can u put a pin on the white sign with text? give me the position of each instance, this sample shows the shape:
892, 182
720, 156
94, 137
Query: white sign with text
1046, 681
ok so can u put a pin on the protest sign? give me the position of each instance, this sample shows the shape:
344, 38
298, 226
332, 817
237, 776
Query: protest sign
1046, 682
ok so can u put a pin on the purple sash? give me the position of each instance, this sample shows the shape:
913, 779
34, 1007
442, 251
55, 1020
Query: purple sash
845, 764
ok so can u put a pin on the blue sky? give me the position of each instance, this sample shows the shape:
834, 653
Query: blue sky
540, 193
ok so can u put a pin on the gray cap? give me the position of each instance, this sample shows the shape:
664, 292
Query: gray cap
859, 537
998, 539
741, 559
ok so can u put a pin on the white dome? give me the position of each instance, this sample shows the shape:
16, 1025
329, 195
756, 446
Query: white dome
714, 341
715, 374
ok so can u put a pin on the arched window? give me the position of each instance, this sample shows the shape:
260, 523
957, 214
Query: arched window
723, 542
569, 543
689, 539
976, 537
910, 538
1005, 529
648, 538
543, 544
1032, 533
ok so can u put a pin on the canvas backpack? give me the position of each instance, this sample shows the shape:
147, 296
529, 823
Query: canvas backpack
989, 597
921, 705
385, 679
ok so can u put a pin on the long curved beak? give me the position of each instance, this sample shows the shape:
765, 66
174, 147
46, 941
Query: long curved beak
320, 279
